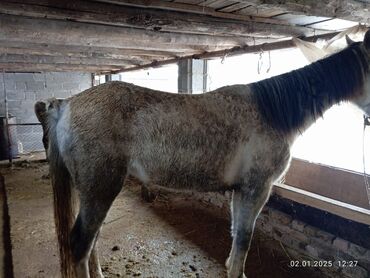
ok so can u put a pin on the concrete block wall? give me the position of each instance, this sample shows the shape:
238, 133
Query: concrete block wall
304, 242
307, 243
24, 89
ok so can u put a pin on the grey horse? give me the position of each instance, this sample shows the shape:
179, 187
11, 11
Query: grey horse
236, 138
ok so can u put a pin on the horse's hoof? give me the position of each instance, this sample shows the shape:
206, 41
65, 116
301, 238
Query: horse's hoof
147, 195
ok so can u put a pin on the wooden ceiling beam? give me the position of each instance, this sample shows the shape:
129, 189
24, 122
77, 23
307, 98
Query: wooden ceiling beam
85, 51
355, 10
151, 19
43, 59
80, 55
31, 30
27, 67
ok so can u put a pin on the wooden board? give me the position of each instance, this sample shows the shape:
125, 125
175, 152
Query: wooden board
338, 184
344, 210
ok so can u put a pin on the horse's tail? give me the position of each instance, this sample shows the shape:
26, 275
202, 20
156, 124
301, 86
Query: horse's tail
62, 190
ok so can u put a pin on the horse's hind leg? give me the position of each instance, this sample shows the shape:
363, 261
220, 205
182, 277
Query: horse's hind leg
247, 202
94, 264
96, 197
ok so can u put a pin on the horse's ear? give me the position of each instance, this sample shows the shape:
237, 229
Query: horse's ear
367, 40
349, 41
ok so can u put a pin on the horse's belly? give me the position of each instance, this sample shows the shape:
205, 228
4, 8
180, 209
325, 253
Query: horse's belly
180, 178
183, 180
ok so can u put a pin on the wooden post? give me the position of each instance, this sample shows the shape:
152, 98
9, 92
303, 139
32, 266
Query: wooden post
192, 76
184, 77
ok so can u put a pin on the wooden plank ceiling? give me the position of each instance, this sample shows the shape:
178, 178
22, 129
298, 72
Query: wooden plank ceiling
117, 35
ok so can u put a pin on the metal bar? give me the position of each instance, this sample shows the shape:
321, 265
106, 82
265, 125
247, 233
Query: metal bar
7, 121
238, 50
205, 75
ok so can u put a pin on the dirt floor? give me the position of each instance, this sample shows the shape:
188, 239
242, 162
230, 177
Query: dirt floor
175, 236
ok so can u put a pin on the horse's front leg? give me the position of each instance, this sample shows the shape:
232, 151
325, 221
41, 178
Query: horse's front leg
247, 202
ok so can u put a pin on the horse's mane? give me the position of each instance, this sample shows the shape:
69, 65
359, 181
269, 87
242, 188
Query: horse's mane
286, 100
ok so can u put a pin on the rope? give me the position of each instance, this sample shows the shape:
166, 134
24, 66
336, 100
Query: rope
366, 180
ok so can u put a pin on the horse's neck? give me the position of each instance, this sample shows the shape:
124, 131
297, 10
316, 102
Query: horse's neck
291, 102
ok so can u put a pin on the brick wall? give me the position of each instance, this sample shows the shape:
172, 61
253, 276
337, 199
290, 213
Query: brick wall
24, 89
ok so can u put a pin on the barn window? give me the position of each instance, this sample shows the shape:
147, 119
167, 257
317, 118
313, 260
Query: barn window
163, 78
